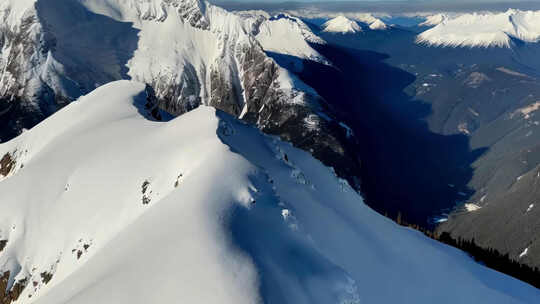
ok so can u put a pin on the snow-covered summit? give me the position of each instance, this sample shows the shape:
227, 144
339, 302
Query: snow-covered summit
374, 23
102, 205
284, 34
378, 25
341, 24
433, 20
483, 29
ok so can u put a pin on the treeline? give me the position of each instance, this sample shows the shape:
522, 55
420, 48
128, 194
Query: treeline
490, 257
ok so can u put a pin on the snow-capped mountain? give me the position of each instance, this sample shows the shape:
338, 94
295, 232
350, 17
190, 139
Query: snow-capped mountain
378, 24
342, 20
284, 34
189, 52
103, 204
342, 25
482, 29
207, 57
433, 20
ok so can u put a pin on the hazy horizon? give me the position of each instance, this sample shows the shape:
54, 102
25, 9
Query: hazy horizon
377, 6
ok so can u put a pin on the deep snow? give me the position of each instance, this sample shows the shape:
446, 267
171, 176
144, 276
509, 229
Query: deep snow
232, 216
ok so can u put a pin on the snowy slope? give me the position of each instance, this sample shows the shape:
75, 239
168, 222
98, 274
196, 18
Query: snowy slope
102, 205
189, 51
433, 20
378, 24
369, 20
286, 35
483, 30
341, 24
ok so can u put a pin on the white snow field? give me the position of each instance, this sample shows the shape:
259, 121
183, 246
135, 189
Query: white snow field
284, 34
205, 209
482, 29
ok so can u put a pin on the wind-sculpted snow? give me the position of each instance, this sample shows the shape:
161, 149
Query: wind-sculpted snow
483, 29
106, 206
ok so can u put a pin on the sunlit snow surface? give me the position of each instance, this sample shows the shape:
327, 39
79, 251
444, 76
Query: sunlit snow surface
341, 24
233, 217
482, 29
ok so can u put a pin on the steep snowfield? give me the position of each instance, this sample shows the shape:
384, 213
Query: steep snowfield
483, 30
341, 24
283, 34
204, 209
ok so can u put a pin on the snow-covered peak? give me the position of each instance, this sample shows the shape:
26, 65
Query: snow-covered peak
288, 35
378, 25
341, 24
484, 29
433, 20
102, 205
192, 12
373, 22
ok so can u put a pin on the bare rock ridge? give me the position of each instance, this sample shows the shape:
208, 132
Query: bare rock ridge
190, 52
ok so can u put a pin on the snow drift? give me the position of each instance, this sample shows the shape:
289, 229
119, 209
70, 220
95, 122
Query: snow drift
100, 204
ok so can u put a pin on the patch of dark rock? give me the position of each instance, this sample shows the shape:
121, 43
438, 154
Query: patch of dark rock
145, 186
7, 163
3, 244
145, 198
46, 277
177, 183
12, 295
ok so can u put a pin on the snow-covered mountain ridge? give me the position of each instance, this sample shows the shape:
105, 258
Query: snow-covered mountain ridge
189, 52
482, 29
207, 45
102, 204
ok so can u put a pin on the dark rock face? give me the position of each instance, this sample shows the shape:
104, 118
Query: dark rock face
192, 12
12, 294
7, 164
21, 107
178, 97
